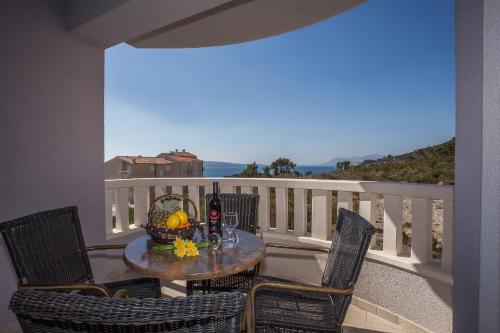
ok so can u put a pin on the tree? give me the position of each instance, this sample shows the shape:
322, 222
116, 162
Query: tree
267, 172
283, 166
251, 171
343, 166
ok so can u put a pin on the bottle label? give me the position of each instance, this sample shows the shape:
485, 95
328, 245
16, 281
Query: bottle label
214, 215
214, 225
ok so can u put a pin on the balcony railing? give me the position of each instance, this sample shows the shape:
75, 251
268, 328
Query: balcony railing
303, 210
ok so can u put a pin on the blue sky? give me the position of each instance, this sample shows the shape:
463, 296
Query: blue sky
377, 79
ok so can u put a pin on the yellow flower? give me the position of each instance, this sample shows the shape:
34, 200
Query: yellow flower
184, 248
192, 252
180, 252
179, 243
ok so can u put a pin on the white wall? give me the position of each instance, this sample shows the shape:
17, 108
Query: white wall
476, 258
51, 123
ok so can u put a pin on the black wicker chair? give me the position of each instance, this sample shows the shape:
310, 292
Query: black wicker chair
48, 252
46, 311
277, 305
247, 207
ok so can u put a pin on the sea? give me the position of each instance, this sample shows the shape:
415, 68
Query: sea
223, 171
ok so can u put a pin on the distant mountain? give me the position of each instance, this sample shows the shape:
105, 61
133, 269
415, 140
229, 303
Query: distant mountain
429, 165
353, 160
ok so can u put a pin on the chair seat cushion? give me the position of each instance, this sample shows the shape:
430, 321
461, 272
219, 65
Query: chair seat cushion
278, 310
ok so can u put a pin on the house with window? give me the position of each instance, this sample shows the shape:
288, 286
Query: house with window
188, 164
139, 167
165, 165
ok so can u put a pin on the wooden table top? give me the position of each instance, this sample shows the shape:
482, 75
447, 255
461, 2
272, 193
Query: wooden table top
140, 256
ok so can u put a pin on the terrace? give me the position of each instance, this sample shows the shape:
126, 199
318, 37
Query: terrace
52, 128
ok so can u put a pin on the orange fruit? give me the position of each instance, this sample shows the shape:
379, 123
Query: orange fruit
173, 221
183, 216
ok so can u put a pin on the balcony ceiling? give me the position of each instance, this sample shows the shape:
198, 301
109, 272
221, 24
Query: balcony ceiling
239, 21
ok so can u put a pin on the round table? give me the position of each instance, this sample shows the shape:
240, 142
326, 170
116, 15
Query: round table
140, 256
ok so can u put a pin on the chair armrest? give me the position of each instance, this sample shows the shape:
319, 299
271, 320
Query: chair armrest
299, 247
105, 247
288, 286
78, 286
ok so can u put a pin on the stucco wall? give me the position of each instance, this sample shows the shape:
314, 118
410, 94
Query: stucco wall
427, 302
51, 123
112, 168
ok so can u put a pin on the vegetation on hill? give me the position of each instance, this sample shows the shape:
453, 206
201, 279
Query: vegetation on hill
431, 165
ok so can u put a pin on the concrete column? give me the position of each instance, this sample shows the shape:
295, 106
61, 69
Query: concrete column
476, 253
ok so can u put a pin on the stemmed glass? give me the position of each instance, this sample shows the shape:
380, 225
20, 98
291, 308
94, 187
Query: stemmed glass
230, 232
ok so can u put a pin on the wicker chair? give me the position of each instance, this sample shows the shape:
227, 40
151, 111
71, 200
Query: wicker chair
277, 305
48, 252
247, 207
47, 311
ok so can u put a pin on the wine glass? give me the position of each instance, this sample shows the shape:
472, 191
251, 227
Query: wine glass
230, 232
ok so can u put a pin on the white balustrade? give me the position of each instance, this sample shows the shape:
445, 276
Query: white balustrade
421, 196
368, 210
393, 224
281, 209
299, 211
321, 214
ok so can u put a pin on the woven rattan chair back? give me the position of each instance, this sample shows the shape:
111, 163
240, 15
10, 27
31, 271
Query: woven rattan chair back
349, 246
47, 248
246, 205
43, 311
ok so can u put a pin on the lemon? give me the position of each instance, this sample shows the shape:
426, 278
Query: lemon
183, 216
173, 221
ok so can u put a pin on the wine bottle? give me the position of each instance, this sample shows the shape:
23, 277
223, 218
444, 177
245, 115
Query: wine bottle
214, 212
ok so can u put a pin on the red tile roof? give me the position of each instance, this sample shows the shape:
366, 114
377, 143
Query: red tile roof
179, 156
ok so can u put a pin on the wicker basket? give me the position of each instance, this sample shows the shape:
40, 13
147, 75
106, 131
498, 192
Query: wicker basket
165, 235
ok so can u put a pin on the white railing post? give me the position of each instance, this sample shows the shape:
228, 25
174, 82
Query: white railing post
344, 200
368, 210
108, 202
321, 214
299, 211
264, 208
208, 189
179, 191
281, 209
141, 196
447, 254
246, 190
227, 189
159, 191
421, 229
122, 222
194, 194
393, 225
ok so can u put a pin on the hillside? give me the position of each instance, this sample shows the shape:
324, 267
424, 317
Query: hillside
353, 160
431, 165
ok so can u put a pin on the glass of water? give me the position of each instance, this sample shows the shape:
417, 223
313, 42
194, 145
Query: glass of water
230, 231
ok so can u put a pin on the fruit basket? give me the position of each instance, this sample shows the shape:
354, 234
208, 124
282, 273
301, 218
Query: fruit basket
167, 221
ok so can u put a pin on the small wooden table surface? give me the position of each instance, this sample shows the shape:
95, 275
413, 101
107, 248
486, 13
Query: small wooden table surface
140, 256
